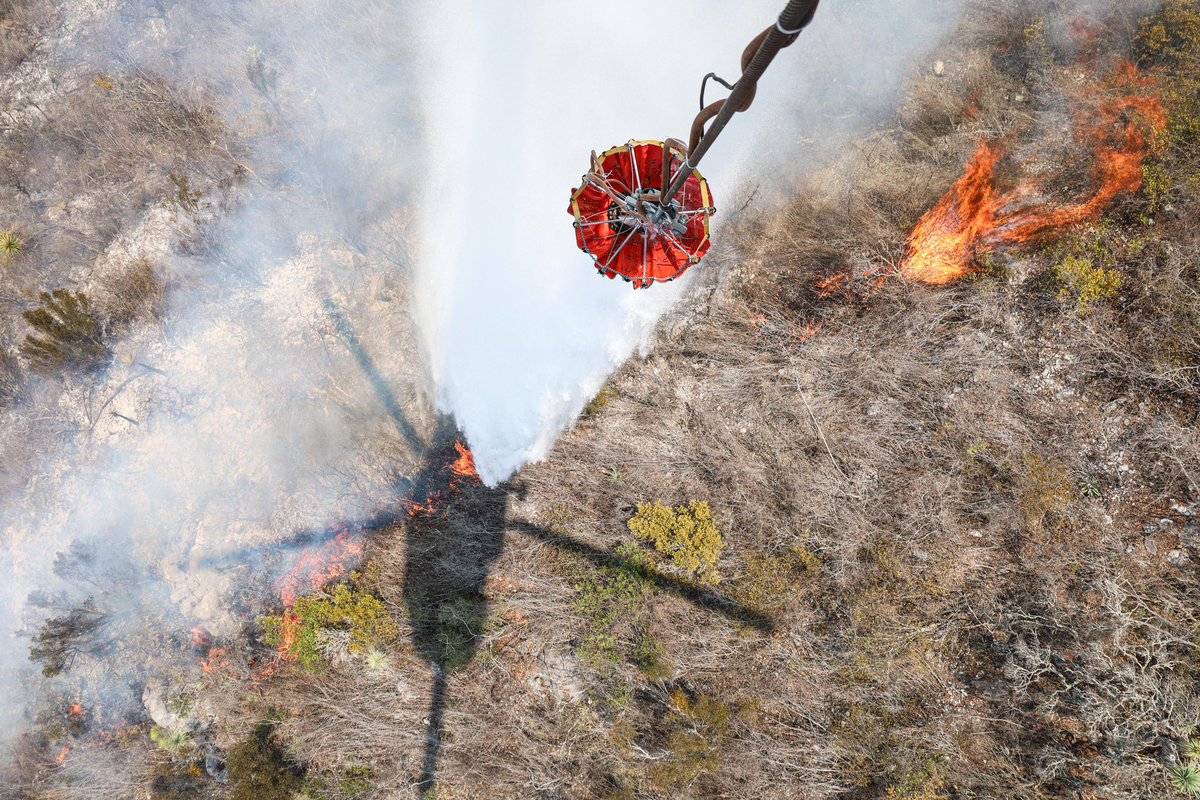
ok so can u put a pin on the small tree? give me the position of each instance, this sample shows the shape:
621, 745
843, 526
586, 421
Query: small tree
62, 639
67, 335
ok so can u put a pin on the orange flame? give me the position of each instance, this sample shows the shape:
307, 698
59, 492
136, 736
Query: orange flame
313, 571
319, 567
201, 639
974, 216
62, 756
76, 712
215, 657
462, 468
944, 241
464, 465
426, 509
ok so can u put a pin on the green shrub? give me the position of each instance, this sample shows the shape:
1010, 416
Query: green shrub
770, 579
171, 741
611, 602
459, 624
298, 631
694, 744
688, 535
1172, 36
650, 657
356, 781
1185, 779
1083, 284
259, 769
66, 335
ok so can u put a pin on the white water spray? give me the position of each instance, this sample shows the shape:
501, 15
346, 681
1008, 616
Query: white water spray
521, 331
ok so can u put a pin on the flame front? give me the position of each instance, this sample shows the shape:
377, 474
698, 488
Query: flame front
462, 468
975, 215
942, 246
315, 570
464, 465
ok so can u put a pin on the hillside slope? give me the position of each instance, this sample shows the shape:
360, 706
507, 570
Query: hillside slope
841, 534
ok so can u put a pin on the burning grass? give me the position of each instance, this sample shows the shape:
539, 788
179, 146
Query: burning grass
975, 216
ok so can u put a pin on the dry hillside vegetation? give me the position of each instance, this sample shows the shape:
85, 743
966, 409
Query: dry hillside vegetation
889, 541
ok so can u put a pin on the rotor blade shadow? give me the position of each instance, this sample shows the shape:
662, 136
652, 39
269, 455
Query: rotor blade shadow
433, 737
384, 392
705, 598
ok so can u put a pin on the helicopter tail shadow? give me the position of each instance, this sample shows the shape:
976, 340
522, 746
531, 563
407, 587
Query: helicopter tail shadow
698, 595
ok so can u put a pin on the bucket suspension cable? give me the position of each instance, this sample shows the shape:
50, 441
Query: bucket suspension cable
757, 56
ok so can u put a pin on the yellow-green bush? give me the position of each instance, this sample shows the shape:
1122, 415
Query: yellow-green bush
1039, 56
926, 783
345, 608
1157, 183
688, 535
1083, 284
1169, 42
598, 403
770, 579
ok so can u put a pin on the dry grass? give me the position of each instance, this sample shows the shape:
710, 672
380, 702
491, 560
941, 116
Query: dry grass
949, 503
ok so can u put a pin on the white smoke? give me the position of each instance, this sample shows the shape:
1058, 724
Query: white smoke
521, 330
284, 389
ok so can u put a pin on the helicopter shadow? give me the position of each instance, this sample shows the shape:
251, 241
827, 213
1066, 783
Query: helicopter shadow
449, 555
455, 530
382, 390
